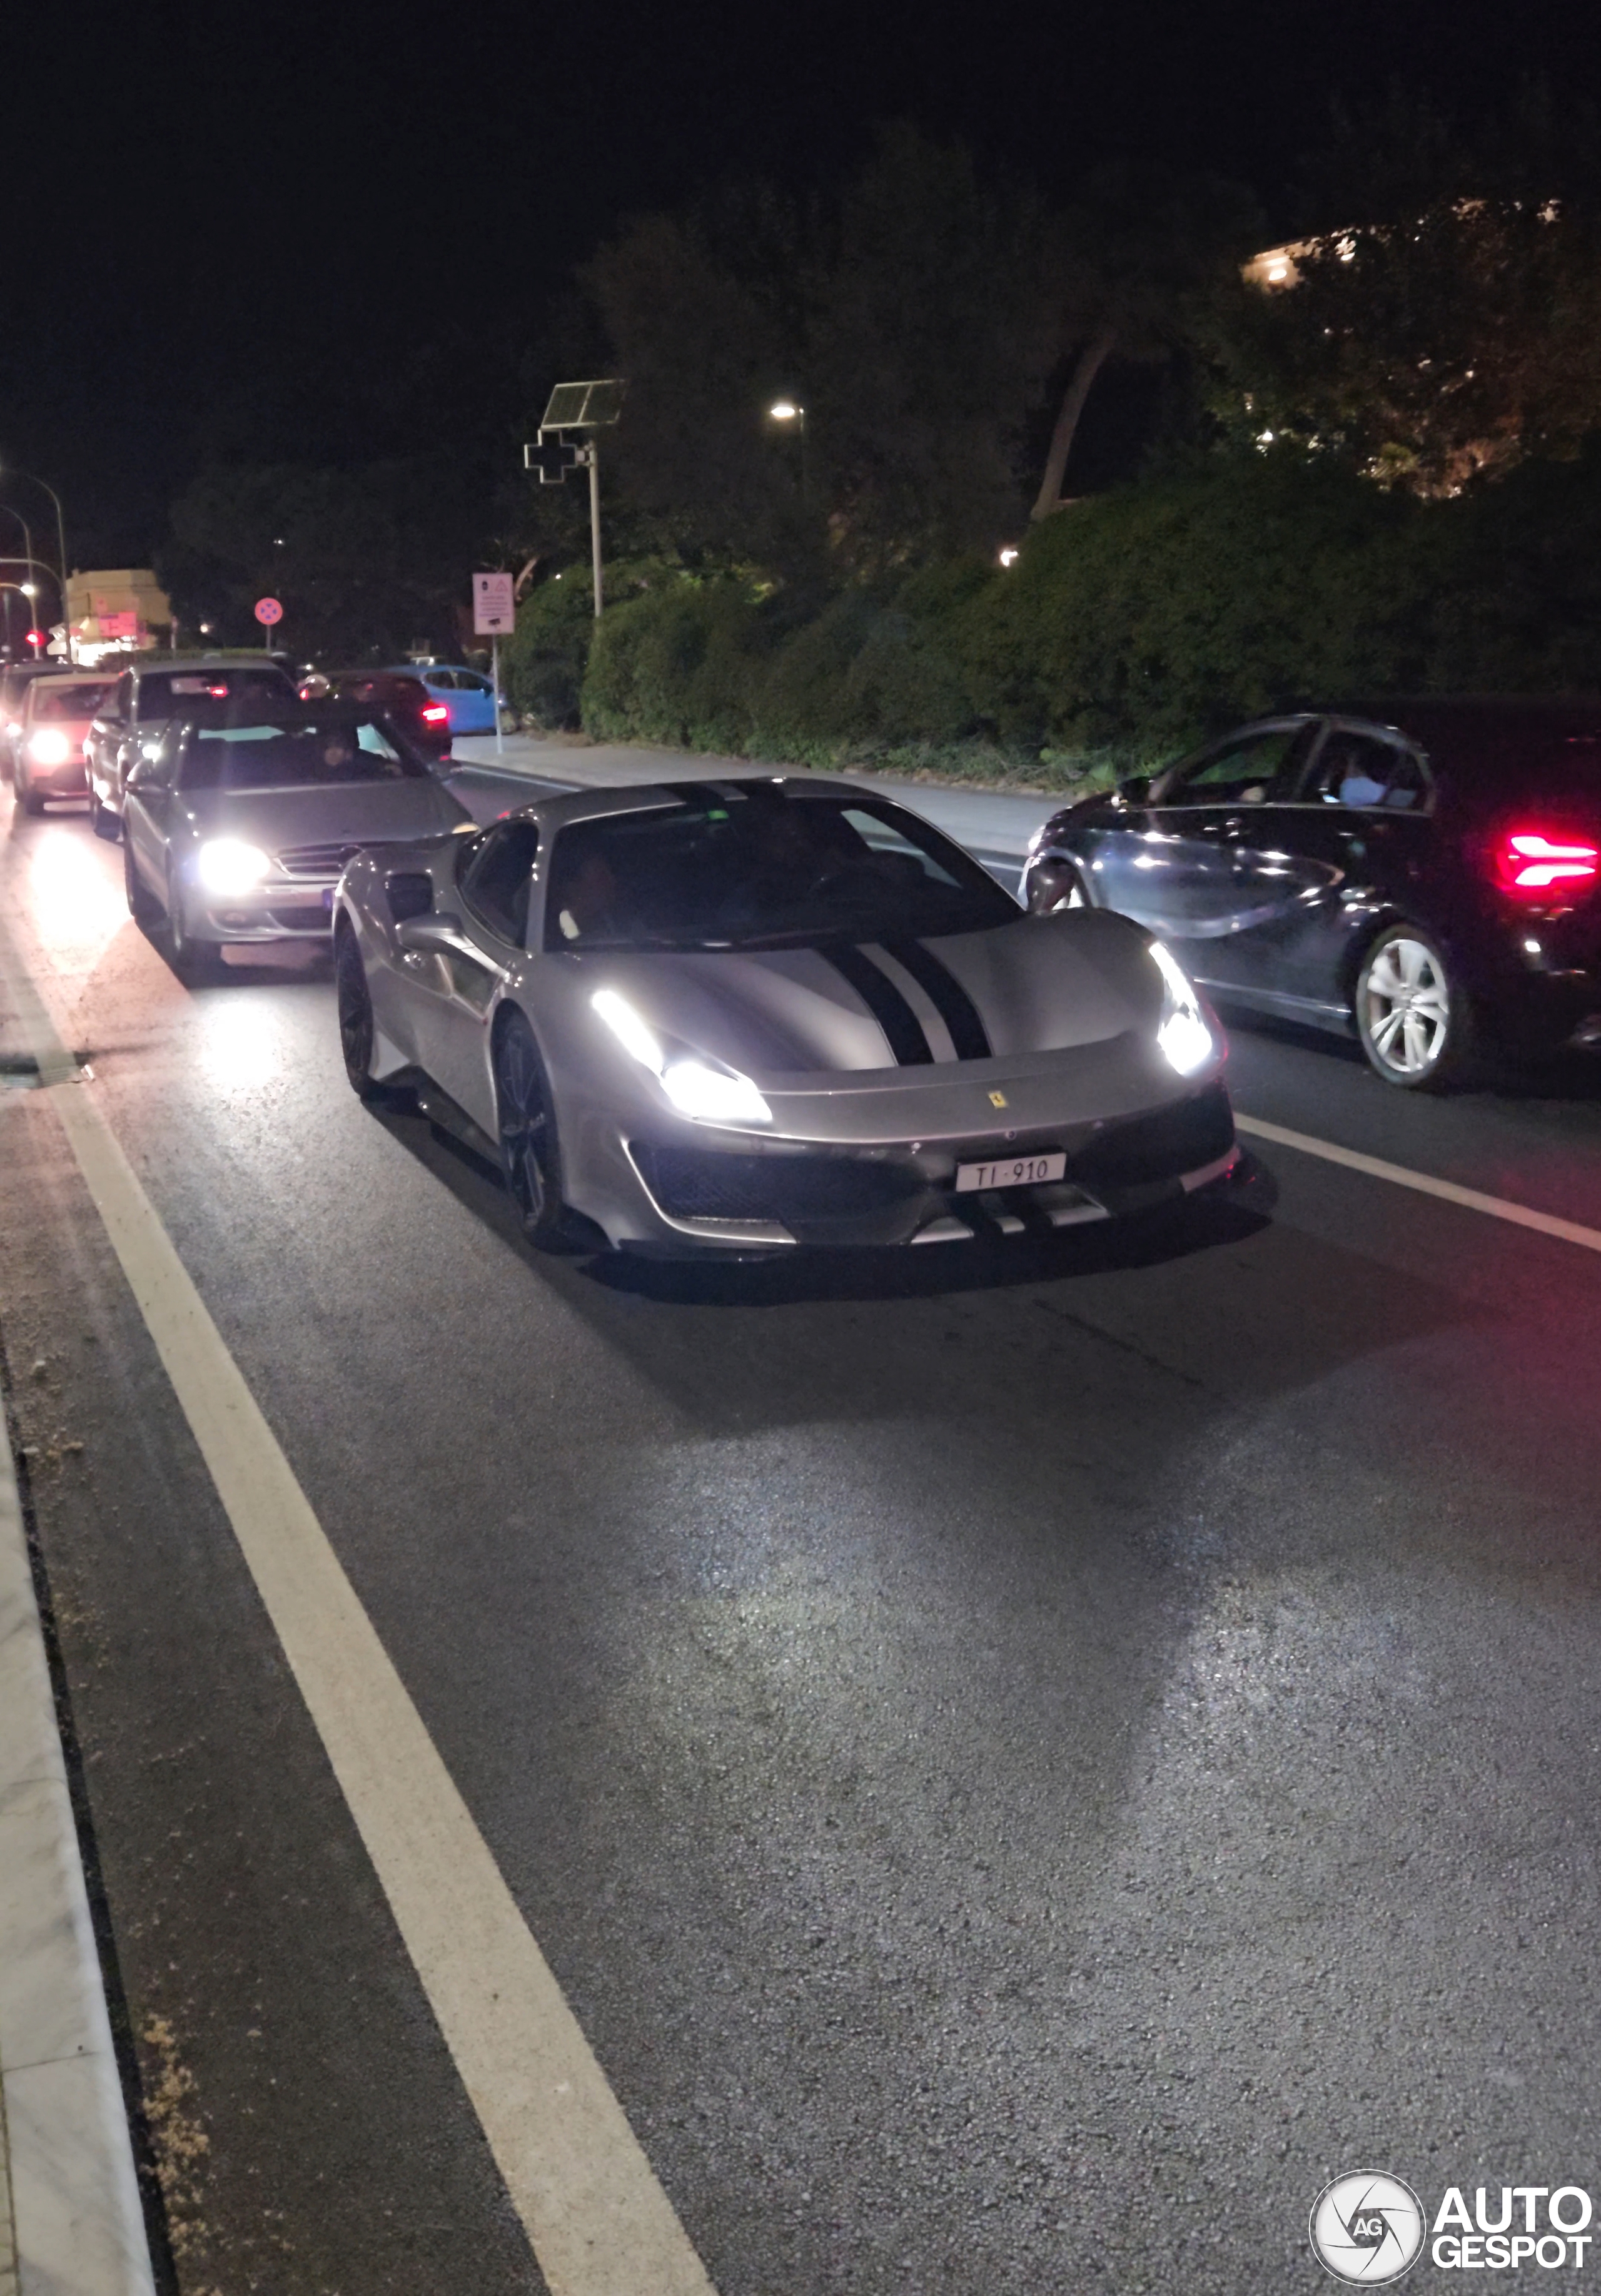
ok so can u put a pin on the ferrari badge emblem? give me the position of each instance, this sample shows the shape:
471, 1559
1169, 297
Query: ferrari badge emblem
998, 1100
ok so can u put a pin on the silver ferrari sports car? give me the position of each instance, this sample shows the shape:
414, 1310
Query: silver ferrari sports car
738, 1016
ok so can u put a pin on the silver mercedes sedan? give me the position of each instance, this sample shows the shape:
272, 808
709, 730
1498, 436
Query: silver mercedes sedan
235, 829
739, 1016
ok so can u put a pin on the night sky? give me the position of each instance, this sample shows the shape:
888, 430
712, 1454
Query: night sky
306, 233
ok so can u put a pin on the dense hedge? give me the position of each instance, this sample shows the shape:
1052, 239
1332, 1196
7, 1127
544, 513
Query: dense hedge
1131, 624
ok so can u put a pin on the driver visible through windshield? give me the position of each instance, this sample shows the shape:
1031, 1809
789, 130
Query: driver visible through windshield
303, 755
747, 865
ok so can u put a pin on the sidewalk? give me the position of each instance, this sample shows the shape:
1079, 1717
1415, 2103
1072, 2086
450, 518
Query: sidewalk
994, 824
70, 2221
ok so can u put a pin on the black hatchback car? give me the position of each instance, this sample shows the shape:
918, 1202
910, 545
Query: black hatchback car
1425, 875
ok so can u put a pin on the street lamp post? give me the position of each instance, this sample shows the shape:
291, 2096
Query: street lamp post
61, 535
788, 411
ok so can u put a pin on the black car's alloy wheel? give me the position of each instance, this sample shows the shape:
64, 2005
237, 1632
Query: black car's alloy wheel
1412, 1018
354, 1002
529, 1154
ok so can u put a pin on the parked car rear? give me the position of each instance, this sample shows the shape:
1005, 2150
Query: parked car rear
402, 695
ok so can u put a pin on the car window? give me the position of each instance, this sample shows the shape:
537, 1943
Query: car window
497, 872
51, 701
1364, 771
305, 755
1257, 768
745, 865
470, 683
440, 680
161, 692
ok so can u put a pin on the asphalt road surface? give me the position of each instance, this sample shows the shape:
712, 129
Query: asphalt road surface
1022, 1766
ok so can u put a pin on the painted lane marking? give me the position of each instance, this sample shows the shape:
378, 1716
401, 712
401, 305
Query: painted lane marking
597, 2217
1471, 1199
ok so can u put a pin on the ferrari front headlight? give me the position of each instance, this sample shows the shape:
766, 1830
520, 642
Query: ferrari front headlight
707, 1090
228, 865
1182, 1033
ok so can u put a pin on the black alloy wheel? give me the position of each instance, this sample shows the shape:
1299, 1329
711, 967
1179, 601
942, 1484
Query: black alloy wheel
191, 959
529, 1154
1414, 1019
354, 999
143, 907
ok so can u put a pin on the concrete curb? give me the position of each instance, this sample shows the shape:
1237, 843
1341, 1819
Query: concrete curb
74, 2208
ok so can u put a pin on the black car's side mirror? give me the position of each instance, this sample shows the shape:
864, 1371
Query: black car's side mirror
409, 893
1135, 789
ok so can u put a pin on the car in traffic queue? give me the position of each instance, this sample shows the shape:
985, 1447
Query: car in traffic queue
134, 714
50, 747
1423, 875
16, 678
235, 829
744, 1015
402, 693
466, 695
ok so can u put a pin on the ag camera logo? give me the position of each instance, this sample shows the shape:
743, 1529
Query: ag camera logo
1367, 2229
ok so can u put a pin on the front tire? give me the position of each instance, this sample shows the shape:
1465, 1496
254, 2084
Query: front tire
144, 908
357, 1030
1412, 1014
193, 961
530, 1156
102, 821
30, 799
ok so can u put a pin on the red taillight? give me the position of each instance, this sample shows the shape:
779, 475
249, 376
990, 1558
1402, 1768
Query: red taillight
437, 713
1531, 861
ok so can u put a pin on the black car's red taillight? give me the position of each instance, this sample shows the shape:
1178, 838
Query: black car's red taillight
1542, 865
435, 714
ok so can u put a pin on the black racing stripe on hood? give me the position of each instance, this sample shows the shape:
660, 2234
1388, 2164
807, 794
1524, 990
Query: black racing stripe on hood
908, 1044
948, 996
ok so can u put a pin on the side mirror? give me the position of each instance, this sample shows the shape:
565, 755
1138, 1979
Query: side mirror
1135, 789
409, 893
149, 775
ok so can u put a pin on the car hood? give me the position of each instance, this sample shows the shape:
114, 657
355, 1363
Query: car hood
1039, 985
354, 813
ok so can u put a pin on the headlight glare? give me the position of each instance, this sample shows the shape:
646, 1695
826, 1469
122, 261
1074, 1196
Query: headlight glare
1185, 1041
227, 865
705, 1089
50, 747
713, 1094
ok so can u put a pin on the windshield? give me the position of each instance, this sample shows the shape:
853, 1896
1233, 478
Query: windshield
746, 865
58, 701
164, 692
306, 755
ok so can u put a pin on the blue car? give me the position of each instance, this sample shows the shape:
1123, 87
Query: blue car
466, 694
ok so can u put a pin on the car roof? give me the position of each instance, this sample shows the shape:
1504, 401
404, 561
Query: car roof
556, 808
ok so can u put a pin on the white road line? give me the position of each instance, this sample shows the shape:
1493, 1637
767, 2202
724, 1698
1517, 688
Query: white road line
1471, 1199
599, 2222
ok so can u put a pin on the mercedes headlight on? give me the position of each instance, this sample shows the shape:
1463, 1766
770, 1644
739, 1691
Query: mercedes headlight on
228, 865
707, 1090
49, 748
1185, 1039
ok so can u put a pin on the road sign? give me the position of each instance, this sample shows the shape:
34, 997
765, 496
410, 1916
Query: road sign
118, 626
584, 405
494, 610
268, 612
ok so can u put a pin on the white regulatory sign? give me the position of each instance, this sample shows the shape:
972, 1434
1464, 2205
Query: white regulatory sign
494, 615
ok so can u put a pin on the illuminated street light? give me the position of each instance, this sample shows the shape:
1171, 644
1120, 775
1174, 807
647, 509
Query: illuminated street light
1008, 556
61, 535
785, 410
